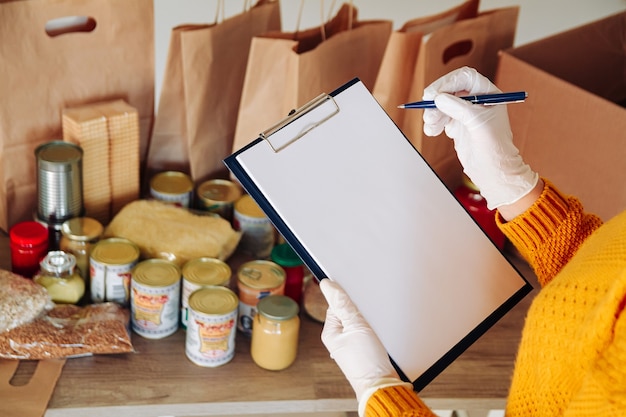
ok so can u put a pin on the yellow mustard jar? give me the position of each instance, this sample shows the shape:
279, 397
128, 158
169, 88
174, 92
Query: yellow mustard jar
59, 276
275, 330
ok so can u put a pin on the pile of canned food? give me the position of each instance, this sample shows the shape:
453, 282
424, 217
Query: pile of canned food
64, 251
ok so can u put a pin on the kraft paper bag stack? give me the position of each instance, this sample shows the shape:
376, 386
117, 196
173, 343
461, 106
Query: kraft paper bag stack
108, 133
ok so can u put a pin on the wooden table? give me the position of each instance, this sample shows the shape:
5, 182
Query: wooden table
158, 379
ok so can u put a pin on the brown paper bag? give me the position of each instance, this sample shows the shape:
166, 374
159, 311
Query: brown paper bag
108, 55
472, 42
29, 399
395, 77
286, 70
202, 85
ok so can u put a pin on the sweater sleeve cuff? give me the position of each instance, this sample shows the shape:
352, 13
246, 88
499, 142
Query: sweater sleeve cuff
533, 227
394, 400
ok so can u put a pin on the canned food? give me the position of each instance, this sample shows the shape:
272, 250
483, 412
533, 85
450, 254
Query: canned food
257, 232
172, 187
255, 280
210, 339
199, 273
218, 196
155, 297
110, 265
59, 181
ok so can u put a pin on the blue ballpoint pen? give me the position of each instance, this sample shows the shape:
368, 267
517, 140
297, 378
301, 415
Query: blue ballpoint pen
484, 99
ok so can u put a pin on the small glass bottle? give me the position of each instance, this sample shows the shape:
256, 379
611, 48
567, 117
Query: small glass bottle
59, 276
274, 344
469, 196
285, 256
79, 235
29, 245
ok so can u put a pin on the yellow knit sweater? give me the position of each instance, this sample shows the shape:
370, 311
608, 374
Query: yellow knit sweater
572, 357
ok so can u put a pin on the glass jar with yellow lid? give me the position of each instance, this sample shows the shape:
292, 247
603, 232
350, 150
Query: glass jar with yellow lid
78, 236
275, 330
59, 276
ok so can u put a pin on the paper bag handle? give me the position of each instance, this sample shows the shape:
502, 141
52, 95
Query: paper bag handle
220, 10
323, 19
69, 24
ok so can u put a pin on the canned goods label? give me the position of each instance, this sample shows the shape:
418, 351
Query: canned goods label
256, 280
172, 187
257, 232
110, 266
155, 297
200, 273
211, 331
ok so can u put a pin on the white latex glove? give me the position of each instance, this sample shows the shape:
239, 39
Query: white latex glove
482, 136
354, 346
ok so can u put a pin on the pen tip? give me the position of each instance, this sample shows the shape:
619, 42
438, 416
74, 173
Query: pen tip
401, 106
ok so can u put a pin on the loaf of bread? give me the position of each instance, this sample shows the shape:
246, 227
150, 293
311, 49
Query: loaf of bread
165, 231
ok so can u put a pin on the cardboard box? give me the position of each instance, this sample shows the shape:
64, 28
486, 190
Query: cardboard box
572, 128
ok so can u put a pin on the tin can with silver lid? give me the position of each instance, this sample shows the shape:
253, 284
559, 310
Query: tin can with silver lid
59, 181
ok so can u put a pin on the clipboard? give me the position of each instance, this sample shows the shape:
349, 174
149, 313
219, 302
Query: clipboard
359, 204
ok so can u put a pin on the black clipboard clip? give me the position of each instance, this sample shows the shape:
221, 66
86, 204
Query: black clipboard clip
296, 125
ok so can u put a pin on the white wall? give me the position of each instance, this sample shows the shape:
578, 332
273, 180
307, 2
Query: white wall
537, 19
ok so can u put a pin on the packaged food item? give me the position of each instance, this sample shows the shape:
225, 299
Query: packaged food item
69, 330
110, 266
21, 300
164, 231
155, 298
294, 268
58, 275
172, 187
218, 196
274, 344
211, 331
257, 232
28, 242
59, 181
199, 273
255, 280
469, 196
80, 234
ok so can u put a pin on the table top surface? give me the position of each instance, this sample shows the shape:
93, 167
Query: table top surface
158, 379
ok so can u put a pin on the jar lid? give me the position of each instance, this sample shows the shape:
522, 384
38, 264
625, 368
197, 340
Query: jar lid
82, 228
278, 307
284, 255
29, 233
58, 263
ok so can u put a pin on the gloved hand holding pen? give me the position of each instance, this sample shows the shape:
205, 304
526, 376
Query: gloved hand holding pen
482, 137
